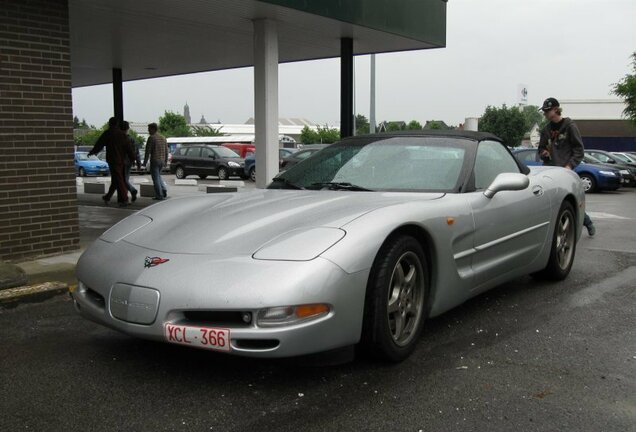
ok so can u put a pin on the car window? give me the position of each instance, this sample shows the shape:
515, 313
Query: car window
194, 152
528, 156
304, 154
391, 164
492, 159
600, 156
207, 152
225, 152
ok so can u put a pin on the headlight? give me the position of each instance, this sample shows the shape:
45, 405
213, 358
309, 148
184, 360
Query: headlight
233, 164
608, 173
624, 172
289, 315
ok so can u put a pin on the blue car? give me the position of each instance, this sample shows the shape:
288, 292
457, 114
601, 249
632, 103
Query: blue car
595, 177
250, 161
90, 165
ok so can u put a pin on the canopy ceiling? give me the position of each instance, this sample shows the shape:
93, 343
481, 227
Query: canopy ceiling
155, 38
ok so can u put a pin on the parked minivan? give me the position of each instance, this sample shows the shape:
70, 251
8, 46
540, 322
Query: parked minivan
204, 160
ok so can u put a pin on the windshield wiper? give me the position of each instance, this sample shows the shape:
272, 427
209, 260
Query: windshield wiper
340, 186
286, 182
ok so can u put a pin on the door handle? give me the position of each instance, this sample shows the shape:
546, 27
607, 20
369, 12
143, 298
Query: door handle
537, 190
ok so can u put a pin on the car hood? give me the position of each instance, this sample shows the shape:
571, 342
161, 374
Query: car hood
240, 223
93, 164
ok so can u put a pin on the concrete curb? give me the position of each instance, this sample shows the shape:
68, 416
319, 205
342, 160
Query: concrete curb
11, 297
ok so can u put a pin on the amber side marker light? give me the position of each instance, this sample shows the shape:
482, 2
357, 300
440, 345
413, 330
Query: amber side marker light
306, 311
450, 220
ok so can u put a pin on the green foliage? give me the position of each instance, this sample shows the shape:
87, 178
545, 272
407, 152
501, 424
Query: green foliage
324, 135
77, 124
206, 131
532, 115
626, 90
362, 125
509, 124
395, 126
173, 125
88, 136
414, 125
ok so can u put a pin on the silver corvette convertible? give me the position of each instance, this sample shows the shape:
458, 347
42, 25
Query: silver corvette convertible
357, 245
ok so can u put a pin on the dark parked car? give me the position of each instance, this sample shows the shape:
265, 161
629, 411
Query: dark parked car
301, 155
250, 161
595, 177
205, 160
608, 158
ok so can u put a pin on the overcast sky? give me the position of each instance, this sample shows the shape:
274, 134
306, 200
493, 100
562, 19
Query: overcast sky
569, 49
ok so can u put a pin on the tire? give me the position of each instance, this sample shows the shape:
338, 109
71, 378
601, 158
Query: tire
180, 173
82, 172
222, 173
203, 176
563, 247
589, 184
396, 299
253, 174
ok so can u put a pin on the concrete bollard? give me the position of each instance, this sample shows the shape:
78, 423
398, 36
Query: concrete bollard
219, 189
99, 188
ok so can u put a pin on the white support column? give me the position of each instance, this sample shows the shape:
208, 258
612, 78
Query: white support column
266, 100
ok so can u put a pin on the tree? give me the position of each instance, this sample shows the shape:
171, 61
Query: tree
362, 125
626, 90
414, 125
309, 136
206, 131
509, 124
532, 115
324, 135
173, 125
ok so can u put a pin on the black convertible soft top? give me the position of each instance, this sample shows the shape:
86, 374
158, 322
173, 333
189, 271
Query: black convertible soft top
477, 136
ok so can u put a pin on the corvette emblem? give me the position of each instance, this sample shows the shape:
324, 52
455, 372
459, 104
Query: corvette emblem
154, 261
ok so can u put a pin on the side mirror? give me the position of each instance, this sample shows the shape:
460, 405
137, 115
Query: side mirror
610, 160
507, 182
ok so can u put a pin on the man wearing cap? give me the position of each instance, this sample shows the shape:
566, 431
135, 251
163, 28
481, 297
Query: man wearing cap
561, 144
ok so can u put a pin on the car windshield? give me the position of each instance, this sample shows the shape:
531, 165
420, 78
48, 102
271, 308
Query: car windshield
622, 158
225, 152
389, 164
85, 156
591, 159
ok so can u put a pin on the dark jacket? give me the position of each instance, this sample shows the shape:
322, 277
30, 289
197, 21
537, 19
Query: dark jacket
566, 147
117, 146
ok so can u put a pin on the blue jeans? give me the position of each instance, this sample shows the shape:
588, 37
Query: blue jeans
161, 188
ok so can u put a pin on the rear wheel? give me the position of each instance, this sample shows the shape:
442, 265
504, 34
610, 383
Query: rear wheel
395, 304
589, 184
563, 245
180, 173
253, 174
82, 172
223, 174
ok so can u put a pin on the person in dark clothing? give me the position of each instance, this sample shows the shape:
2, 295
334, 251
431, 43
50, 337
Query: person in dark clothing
115, 142
128, 163
561, 144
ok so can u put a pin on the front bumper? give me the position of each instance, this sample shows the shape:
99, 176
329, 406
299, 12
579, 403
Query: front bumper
190, 285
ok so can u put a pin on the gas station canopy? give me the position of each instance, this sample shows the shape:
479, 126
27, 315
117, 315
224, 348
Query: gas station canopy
156, 38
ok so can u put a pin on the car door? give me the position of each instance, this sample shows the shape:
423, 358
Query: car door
208, 161
192, 159
511, 227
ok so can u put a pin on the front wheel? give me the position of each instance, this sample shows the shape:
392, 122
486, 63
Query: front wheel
395, 304
223, 174
563, 245
589, 184
253, 174
180, 173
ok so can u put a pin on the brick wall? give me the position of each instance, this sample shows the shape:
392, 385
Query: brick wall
38, 202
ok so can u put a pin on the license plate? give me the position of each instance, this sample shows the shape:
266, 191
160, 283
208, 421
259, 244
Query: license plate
203, 337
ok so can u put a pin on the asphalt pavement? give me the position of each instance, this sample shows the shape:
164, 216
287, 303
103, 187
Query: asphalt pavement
527, 356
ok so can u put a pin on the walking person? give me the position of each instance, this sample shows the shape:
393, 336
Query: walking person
115, 142
157, 153
561, 144
128, 163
